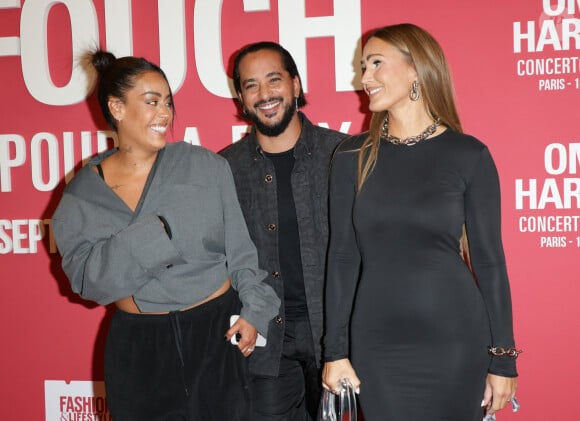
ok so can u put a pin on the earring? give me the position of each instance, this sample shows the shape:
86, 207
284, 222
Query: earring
414, 93
296, 103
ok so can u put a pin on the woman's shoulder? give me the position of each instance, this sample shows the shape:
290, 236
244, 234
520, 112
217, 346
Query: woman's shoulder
347, 152
199, 154
460, 146
462, 141
182, 147
464, 151
352, 143
86, 179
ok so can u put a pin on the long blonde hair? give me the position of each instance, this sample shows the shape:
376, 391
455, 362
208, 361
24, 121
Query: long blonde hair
424, 53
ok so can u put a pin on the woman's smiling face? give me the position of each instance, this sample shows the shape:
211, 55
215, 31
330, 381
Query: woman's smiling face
387, 76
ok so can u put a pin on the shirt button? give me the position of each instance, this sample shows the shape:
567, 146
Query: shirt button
268, 178
276, 274
271, 227
278, 320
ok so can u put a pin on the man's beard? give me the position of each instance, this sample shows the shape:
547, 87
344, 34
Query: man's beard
272, 130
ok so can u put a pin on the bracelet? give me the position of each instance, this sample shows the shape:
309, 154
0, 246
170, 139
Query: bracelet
498, 351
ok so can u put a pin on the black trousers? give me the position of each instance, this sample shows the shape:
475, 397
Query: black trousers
176, 366
294, 395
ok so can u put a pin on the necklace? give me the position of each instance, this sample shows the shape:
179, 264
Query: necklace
408, 141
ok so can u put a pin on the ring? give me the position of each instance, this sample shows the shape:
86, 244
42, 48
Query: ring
250, 349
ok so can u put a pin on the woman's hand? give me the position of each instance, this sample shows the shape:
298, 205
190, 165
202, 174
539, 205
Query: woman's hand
498, 392
248, 333
334, 371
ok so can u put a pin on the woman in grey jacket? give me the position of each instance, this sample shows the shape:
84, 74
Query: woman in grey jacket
156, 229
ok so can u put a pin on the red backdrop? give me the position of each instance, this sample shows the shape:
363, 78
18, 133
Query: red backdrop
517, 78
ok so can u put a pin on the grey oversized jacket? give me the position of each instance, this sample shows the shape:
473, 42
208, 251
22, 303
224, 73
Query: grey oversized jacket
255, 179
109, 252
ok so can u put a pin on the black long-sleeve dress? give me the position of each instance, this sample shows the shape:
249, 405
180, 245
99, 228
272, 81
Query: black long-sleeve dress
420, 324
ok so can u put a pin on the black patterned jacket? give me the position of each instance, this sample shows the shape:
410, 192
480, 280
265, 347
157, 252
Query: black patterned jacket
255, 180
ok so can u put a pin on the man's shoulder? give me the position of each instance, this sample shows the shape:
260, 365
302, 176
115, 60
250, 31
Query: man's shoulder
323, 139
236, 149
324, 133
329, 135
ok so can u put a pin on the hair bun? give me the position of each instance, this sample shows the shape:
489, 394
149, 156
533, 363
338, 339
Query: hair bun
102, 60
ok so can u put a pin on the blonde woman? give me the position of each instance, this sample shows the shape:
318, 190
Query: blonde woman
425, 340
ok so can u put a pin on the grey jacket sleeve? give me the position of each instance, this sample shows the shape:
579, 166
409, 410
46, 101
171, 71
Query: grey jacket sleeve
106, 267
260, 302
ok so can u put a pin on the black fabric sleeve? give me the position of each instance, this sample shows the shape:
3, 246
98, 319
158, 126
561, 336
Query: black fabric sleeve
343, 255
483, 225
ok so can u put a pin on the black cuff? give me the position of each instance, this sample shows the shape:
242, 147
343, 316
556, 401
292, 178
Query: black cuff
503, 366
